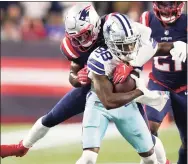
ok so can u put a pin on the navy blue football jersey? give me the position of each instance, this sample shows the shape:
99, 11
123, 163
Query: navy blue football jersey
74, 54
170, 73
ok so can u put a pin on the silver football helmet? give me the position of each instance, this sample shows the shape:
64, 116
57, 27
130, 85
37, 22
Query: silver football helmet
82, 25
121, 36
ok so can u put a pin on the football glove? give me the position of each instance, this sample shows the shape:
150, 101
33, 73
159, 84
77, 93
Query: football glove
82, 76
121, 72
140, 84
179, 52
155, 99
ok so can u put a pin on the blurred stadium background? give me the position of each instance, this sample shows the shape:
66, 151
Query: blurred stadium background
34, 76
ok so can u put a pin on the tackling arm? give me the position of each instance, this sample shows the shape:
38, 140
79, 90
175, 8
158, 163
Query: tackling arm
73, 78
104, 90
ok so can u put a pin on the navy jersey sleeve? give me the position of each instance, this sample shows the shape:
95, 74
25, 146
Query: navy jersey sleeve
144, 19
68, 50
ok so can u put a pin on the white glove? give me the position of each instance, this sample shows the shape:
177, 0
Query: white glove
179, 52
154, 99
140, 84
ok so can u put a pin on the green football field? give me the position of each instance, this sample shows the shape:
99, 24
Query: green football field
114, 150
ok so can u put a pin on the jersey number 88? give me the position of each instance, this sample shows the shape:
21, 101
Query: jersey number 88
106, 55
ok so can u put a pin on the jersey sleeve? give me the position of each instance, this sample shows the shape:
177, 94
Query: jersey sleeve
144, 31
148, 46
144, 19
146, 36
95, 64
68, 50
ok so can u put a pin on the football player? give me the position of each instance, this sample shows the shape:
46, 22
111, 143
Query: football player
169, 71
123, 38
83, 35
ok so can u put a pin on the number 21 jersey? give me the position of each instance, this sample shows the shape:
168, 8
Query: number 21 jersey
170, 73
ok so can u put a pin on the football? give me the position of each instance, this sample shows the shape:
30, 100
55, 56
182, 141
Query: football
127, 86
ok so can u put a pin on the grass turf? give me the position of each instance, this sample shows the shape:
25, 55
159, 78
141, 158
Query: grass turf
112, 150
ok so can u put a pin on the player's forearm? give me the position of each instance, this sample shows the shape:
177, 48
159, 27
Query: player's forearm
110, 100
116, 100
164, 48
74, 69
73, 80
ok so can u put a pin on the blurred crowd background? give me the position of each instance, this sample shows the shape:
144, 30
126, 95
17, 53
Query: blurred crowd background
44, 20
34, 73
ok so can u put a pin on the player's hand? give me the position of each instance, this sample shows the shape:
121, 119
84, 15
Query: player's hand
121, 72
154, 99
179, 51
82, 76
140, 84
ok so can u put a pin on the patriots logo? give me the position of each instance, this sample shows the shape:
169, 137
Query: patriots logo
84, 13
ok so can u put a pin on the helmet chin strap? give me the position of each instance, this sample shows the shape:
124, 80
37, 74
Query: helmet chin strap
168, 20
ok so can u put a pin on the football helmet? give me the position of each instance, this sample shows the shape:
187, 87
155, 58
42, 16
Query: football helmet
82, 26
121, 36
168, 11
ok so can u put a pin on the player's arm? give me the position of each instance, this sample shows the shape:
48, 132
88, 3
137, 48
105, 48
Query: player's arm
104, 90
73, 75
149, 48
177, 49
164, 48
78, 74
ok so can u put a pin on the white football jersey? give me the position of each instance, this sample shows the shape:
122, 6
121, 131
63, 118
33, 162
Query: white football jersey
102, 62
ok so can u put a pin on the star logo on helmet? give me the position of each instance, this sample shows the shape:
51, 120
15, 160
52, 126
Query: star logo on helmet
108, 29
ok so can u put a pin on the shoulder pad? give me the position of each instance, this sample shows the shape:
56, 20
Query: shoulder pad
144, 19
68, 50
